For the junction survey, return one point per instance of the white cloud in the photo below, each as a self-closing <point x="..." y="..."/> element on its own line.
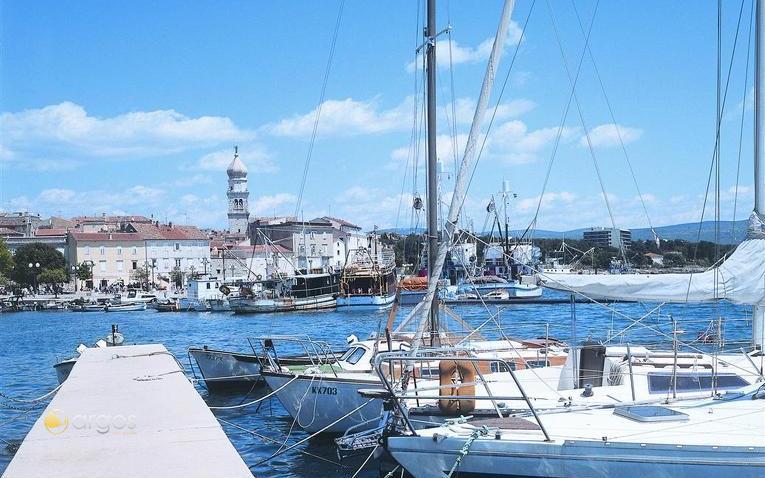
<point x="273" y="204"/>
<point x="465" y="54"/>
<point x="607" y="135"/>
<point x="257" y="159"/>
<point x="512" y="142"/>
<point x="464" y="109"/>
<point x="346" y="117"/>
<point x="67" y="128"/>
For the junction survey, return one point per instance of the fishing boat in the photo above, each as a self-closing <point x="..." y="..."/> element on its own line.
<point x="227" y="370"/>
<point x="301" y="292"/>
<point x="368" y="281"/>
<point x="485" y="285"/>
<point x="64" y="367"/>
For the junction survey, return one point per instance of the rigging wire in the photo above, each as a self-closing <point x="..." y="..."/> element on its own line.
<point x="319" y="107"/>
<point x="613" y="120"/>
<point x="581" y="119"/>
<point x="743" y="114"/>
<point x="717" y="128"/>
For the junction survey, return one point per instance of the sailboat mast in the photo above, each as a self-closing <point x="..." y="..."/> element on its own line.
<point x="759" y="101"/>
<point x="758" y="312"/>
<point x="430" y="51"/>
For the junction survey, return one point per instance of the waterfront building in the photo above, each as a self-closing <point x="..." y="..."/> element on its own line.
<point x="114" y="257"/>
<point x="318" y="244"/>
<point x="170" y="247"/>
<point x="608" y="237"/>
<point x="250" y="262"/>
<point x="18" y="229"/>
<point x="238" y="196"/>
<point x="140" y="248"/>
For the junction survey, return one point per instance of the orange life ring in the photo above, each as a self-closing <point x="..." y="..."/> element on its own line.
<point x="451" y="373"/>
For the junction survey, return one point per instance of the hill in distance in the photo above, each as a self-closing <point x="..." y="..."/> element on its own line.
<point x="730" y="232"/>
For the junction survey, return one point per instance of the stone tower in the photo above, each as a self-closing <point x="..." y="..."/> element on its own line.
<point x="238" y="210"/>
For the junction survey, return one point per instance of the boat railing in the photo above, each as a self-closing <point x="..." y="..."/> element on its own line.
<point x="318" y="352"/>
<point x="424" y="358"/>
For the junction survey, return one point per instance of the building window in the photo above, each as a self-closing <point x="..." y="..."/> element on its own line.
<point x="177" y="246"/>
<point x="178" y="263"/>
<point x="135" y="265"/>
<point x="119" y="251"/>
<point x="120" y="266"/>
<point x="313" y="250"/>
<point x="87" y="250"/>
<point x="103" y="250"/>
<point x="135" y="250"/>
<point x="208" y="285"/>
<point x="102" y="266"/>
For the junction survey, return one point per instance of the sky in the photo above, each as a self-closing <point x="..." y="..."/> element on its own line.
<point x="135" y="108"/>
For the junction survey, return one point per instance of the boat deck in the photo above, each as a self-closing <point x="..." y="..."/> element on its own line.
<point x="127" y="411"/>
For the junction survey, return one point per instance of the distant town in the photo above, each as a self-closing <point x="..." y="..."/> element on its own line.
<point x="113" y="252"/>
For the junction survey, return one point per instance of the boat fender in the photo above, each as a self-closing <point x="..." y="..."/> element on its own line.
<point x="456" y="373"/>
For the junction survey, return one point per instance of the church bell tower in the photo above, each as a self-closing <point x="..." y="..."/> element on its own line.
<point x="238" y="209"/>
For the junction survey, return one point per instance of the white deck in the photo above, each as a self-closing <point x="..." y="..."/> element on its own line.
<point x="123" y="412"/>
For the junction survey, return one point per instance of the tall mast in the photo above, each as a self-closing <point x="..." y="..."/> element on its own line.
<point x="430" y="51"/>
<point x="758" y="312"/>
<point x="759" y="101"/>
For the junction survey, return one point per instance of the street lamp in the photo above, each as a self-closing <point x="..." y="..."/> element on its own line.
<point x="32" y="268"/>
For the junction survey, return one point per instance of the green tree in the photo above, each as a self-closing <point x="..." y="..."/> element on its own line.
<point x="52" y="277"/>
<point x="84" y="271"/>
<point x="6" y="263"/>
<point x="176" y="276"/>
<point x="141" y="275"/>
<point x="674" y="259"/>
<point x="35" y="253"/>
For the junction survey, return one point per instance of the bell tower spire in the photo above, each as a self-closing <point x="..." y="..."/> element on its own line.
<point x="238" y="195"/>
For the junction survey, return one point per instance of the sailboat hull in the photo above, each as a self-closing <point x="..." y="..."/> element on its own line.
<point x="285" y="304"/>
<point x="317" y="402"/>
<point x="425" y="457"/>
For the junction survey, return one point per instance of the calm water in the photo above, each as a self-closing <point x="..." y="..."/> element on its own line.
<point x="31" y="342"/>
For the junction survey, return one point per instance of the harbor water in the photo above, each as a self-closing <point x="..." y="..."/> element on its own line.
<point x="31" y="342"/>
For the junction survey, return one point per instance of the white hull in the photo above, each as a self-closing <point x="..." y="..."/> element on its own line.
<point x="188" y="305"/>
<point x="284" y="304"/>
<point x="514" y="290"/>
<point x="317" y="402"/>
<point x="226" y="369"/>
<point x="364" y="302"/>
<point x="423" y="457"/>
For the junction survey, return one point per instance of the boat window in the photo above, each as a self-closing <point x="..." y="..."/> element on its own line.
<point x="650" y="413"/>
<point x="354" y="355"/>
<point x="661" y="382"/>
<point x="537" y="363"/>
<point x="501" y="366"/>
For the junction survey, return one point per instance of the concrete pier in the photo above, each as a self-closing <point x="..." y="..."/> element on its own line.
<point x="126" y="412"/>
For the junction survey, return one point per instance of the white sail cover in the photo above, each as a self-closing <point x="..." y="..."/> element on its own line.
<point x="740" y="279"/>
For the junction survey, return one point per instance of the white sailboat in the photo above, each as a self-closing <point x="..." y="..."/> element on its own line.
<point x="721" y="434"/>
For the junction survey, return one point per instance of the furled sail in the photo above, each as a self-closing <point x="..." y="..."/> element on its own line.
<point x="740" y="279"/>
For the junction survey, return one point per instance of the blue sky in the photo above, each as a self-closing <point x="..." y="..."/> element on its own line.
<point x="135" y="107"/>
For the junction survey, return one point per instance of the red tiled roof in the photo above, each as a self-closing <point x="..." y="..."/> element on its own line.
<point x="50" y="232"/>
<point x="4" y="231"/>
<point x="342" y="222"/>
<point x="166" y="232"/>
<point x="100" y="219"/>
<point x="105" y="236"/>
